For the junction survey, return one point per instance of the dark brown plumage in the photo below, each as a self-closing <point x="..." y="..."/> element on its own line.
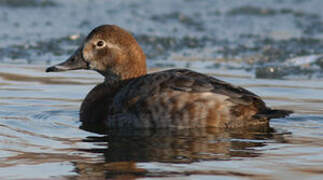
<point x="179" y="98"/>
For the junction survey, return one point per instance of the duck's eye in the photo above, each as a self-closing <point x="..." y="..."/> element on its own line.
<point x="100" y="44"/>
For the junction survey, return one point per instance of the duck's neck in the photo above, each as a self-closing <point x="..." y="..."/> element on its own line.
<point x="115" y="78"/>
<point x="110" y="77"/>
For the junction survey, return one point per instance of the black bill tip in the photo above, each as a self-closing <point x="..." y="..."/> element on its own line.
<point x="51" y="69"/>
<point x="57" y="68"/>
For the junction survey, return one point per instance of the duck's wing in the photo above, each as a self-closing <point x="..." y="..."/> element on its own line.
<point x="187" y="80"/>
<point x="183" y="91"/>
<point x="182" y="80"/>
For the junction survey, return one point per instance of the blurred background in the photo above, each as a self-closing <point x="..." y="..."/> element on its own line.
<point x="273" y="48"/>
<point x="264" y="37"/>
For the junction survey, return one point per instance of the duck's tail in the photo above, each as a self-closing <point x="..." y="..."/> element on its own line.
<point x="273" y="113"/>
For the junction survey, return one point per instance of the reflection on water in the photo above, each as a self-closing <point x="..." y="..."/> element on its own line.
<point x="181" y="146"/>
<point x="172" y="146"/>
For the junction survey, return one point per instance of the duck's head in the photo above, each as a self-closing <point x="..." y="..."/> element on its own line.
<point x="109" y="50"/>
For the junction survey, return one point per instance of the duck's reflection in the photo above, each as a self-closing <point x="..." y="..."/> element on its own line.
<point x="123" y="148"/>
<point x="182" y="146"/>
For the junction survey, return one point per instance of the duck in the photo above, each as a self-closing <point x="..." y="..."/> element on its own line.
<point x="130" y="97"/>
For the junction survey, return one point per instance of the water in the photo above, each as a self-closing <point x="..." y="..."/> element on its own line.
<point x="273" y="48"/>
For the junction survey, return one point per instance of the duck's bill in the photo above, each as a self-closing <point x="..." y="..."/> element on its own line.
<point x="75" y="62"/>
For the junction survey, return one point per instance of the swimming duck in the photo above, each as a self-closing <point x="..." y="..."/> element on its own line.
<point x="179" y="98"/>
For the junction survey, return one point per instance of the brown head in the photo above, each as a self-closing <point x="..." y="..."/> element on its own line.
<point x="109" y="50"/>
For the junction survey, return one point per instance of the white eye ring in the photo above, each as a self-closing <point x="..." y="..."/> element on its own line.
<point x="100" y="44"/>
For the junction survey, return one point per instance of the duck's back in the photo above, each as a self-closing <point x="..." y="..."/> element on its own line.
<point x="182" y="98"/>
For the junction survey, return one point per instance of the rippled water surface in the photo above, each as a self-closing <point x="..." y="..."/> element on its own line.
<point x="272" y="48"/>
